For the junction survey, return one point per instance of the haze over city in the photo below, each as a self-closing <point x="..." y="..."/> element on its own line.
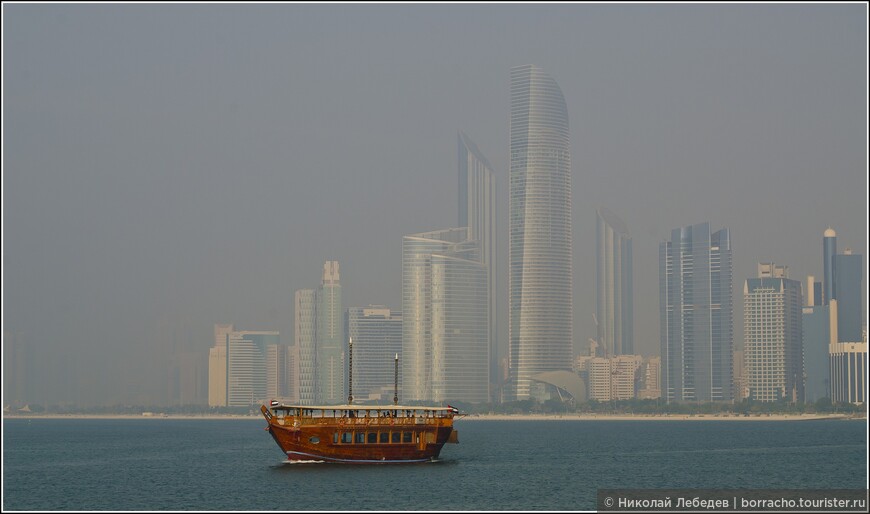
<point x="169" y="167"/>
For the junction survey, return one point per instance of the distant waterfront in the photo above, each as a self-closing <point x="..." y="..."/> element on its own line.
<point x="528" y="464"/>
<point x="486" y="417"/>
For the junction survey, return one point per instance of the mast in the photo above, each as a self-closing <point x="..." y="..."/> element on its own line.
<point x="350" y="372"/>
<point x="396" y="383"/>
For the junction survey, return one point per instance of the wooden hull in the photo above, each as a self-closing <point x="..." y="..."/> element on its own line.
<point x="363" y="440"/>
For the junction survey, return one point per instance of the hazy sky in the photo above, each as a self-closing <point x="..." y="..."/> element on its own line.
<point x="171" y="166"/>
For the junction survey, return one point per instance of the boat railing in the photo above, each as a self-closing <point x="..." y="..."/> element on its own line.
<point x="361" y="421"/>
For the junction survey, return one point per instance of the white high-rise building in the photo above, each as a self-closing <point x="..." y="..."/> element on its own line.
<point x="247" y="366"/>
<point x="600" y="380"/>
<point x="613" y="378"/>
<point x="541" y="278"/>
<point x="445" y="344"/>
<point x="330" y="341"/>
<point x="625" y="371"/>
<point x="304" y="309"/>
<point x="773" y="336"/>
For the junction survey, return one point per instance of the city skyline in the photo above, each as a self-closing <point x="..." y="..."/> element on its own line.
<point x="156" y="186"/>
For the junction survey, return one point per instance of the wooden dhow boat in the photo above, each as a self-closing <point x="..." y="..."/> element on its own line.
<point x="365" y="434"/>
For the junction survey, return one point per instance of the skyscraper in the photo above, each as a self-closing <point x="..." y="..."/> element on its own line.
<point x="829" y="250"/>
<point x="613" y="281"/>
<point x="826" y="324"/>
<point x="848" y="273"/>
<point x="813" y="294"/>
<point x="848" y="370"/>
<point x="773" y="344"/>
<point x="217" y="367"/>
<point x="696" y="314"/>
<point x="330" y="341"/>
<point x="304" y="328"/>
<point x="376" y="332"/>
<point x="276" y="371"/>
<point x="477" y="211"/>
<point x="247" y="369"/>
<point x="541" y="280"/>
<point x="816" y="340"/>
<point x="445" y="344"/>
<point x="291" y="366"/>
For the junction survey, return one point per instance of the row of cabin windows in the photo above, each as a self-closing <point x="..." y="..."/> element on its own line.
<point x="375" y="437"/>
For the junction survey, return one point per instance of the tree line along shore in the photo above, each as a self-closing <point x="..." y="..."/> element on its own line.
<point x="551" y="409"/>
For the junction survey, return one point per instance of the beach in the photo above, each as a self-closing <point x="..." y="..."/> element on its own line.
<point x="662" y="417"/>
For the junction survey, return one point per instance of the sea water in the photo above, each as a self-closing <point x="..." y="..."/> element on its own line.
<point x="233" y="464"/>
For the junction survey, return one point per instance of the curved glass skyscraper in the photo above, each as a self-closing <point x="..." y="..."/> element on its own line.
<point x="541" y="281"/>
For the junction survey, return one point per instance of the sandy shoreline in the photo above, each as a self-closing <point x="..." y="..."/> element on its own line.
<point x="483" y="417"/>
<point x="661" y="417"/>
<point x="125" y="416"/>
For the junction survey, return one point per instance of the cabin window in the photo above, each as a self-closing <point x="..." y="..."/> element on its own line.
<point x="314" y="439"/>
<point x="335" y="437"/>
<point x="360" y="437"/>
<point x="385" y="437"/>
<point x="373" y="437"/>
<point x="396" y="436"/>
<point x="347" y="437"/>
<point x="406" y="437"/>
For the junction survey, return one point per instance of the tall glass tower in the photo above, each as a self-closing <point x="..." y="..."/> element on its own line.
<point x="247" y="374"/>
<point x="304" y="327"/>
<point x="445" y="348"/>
<point x="614" y="289"/>
<point x="376" y="332"/>
<point x="477" y="212"/>
<point x="330" y="341"/>
<point x="848" y="272"/>
<point x="696" y="315"/>
<point x="541" y="280"/>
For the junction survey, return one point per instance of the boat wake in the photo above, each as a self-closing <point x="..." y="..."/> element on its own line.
<point x="288" y="461"/>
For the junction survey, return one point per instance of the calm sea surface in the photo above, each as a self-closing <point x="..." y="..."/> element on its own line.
<point x="233" y="464"/>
